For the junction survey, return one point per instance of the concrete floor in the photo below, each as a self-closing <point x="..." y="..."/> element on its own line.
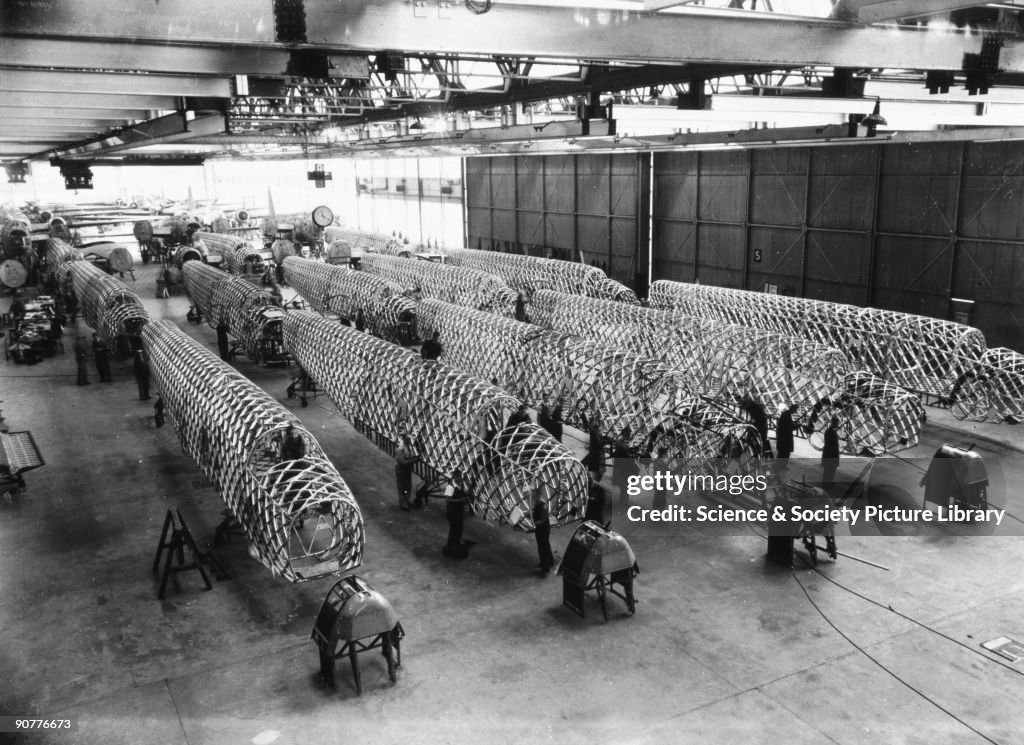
<point x="723" y="648"/>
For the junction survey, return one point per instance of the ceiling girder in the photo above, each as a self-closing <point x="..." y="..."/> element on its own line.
<point x="148" y="57"/>
<point x="34" y="114"/>
<point x="879" y="11"/>
<point x="57" y="81"/>
<point x="691" y="34"/>
<point x="595" y="78"/>
<point x="166" y="21"/>
<point x="170" y="128"/>
<point x="76" y="100"/>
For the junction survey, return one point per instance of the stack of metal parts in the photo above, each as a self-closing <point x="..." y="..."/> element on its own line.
<point x="336" y="289"/>
<point x="250" y="314"/>
<point x="922" y="354"/>
<point x="454" y="419"/>
<point x="235" y="251"/>
<point x="589" y="378"/>
<point x="59" y="254"/>
<point x="529" y="274"/>
<point x="299" y="517"/>
<point x="453" y="284"/>
<point x="108" y="306"/>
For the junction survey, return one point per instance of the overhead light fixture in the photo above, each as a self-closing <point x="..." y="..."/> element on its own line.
<point x="875" y="119"/>
<point x="16" y="172"/>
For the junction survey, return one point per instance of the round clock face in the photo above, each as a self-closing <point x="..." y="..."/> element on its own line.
<point x="323" y="216"/>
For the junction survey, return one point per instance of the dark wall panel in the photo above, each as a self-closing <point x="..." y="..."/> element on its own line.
<point x="478" y="181"/>
<point x="560" y="231"/>
<point x="503" y="224"/>
<point x="837" y="266"/>
<point x="674" y="256"/>
<point x="560" y="182"/>
<point x="989" y="272"/>
<point x="478" y="224"/>
<point x="992" y="189"/>
<point x="904" y="227"/>
<point x="721" y="250"/>
<point x="842" y="187"/>
<point x="675" y="185"/>
<point x="592" y="185"/>
<point x="530" y="183"/>
<point x="779" y="186"/>
<point x="912" y="275"/>
<point x="723" y="186"/>
<point x="503" y="182"/>
<point x="592" y="236"/>
<point x="918" y="189"/>
<point x="781" y="253"/>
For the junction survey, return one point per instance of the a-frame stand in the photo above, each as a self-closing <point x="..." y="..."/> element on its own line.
<point x="174" y="537"/>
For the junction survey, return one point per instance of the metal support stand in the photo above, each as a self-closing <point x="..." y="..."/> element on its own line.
<point x="174" y="537"/>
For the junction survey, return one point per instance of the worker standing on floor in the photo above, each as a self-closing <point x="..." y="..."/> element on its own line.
<point x="830" y="452"/>
<point x="455" y="498"/>
<point x="222" y="341"/>
<point x="101" y="355"/>
<point x="405" y="456"/>
<point x="542" y="532"/>
<point x="82" y="362"/>
<point x="141" y="370"/>
<point x="784" y="435"/>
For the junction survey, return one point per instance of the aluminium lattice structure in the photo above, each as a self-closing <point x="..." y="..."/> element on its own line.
<point x="453" y="284"/>
<point x="725" y="360"/>
<point x="528" y="274"/>
<point x="58" y="254"/>
<point x="994" y="391"/>
<point x="874" y="415"/>
<point x="455" y="420"/>
<point x="364" y="241"/>
<point x="108" y="306"/>
<point x="921" y="354"/>
<point x="336" y="289"/>
<point x="299" y="517"/>
<point x="589" y="378"/>
<point x="240" y="256"/>
<point x="249" y="312"/>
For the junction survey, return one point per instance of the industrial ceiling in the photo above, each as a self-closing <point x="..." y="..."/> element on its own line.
<point x="171" y="80"/>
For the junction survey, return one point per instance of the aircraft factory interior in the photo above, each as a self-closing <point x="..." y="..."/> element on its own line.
<point x="442" y="372"/>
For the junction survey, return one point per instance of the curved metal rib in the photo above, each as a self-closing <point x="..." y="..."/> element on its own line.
<point x="455" y="419"/>
<point x="250" y="314"/>
<point x="532" y="273"/>
<point x="590" y="378"/>
<point x="299" y="516"/>
<point x="236" y="252"/>
<point x="336" y="289"/>
<point x="108" y="306"/>
<point x="453" y="284"/>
